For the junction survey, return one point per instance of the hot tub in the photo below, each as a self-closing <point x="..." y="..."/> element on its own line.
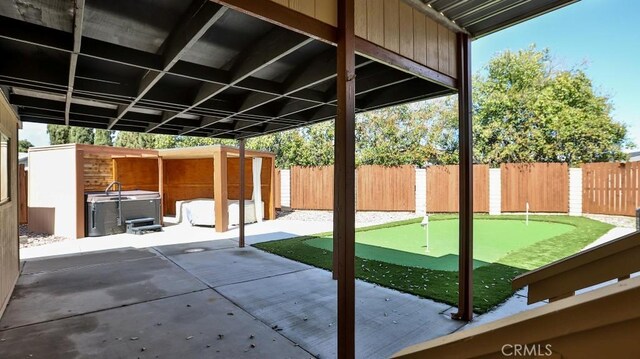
<point x="102" y="210"/>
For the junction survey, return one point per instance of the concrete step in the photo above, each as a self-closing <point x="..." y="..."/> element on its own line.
<point x="143" y="229"/>
<point x="140" y="220"/>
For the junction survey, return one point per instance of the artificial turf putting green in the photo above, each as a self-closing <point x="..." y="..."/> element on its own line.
<point x="491" y="282"/>
<point x="406" y="244"/>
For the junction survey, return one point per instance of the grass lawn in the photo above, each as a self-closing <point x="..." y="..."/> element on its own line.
<point x="394" y="254"/>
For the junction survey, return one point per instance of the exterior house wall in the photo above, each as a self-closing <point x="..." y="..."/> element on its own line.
<point x="393" y="25"/>
<point x="9" y="254"/>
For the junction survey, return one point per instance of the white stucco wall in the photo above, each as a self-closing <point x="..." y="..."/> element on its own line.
<point x="495" y="191"/>
<point x="285" y="188"/>
<point x="575" y="191"/>
<point x="421" y="191"/>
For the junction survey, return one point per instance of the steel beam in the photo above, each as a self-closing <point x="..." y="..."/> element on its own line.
<point x="200" y="17"/>
<point x="272" y="47"/>
<point x="78" y="15"/>
<point x="32" y="34"/>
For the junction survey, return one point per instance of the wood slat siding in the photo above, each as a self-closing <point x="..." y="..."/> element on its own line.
<point x="386" y="188"/>
<point x="394" y="25"/>
<point x="312" y="188"/>
<point x="136" y="173"/>
<point x="278" y="188"/>
<point x="23" y="191"/>
<point x="611" y="188"/>
<point x="98" y="172"/>
<point x="9" y="254"/>
<point x="443" y="184"/>
<point x="186" y="179"/>
<point x="544" y="185"/>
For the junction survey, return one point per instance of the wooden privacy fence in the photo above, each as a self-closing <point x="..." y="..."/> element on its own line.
<point x="22" y="195"/>
<point x="611" y="188"/>
<point x="545" y="186"/>
<point x="386" y="188"/>
<point x="312" y="187"/>
<point x="442" y="188"/>
<point x="378" y="188"/>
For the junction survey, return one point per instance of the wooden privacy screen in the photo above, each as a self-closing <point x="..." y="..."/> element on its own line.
<point x="136" y="173"/>
<point x="312" y="187"/>
<point x="278" y="189"/>
<point x="98" y="172"/>
<point x="386" y="188"/>
<point x="611" y="188"/>
<point x="443" y="184"/>
<point x="186" y="179"/>
<point x="544" y="185"/>
<point x="23" y="192"/>
<point x="394" y="25"/>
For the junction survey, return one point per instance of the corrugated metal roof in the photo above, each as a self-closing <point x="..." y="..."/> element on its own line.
<point x="483" y="17"/>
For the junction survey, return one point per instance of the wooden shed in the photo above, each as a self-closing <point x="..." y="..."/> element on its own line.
<point x="61" y="175"/>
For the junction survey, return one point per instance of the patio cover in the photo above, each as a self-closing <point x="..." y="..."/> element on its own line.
<point x="242" y="68"/>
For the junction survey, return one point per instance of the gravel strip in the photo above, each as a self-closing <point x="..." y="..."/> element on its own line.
<point x="618" y="221"/>
<point x="362" y="218"/>
<point x="31" y="239"/>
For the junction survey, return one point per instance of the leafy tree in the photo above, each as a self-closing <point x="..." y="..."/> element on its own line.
<point x="58" y="134"/>
<point x="135" y="140"/>
<point x="407" y="134"/>
<point x="527" y="111"/>
<point x="103" y="137"/>
<point x="24" y="145"/>
<point x="191" y="141"/>
<point x="82" y="135"/>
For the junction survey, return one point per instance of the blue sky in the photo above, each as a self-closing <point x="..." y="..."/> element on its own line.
<point x="600" y="34"/>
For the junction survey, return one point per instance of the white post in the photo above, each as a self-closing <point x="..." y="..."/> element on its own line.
<point x="425" y="225"/>
<point x="495" y="191"/>
<point x="285" y="188"/>
<point x="575" y="191"/>
<point x="421" y="191"/>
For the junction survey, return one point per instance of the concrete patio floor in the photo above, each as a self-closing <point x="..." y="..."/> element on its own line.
<point x="189" y="291"/>
<point x="200" y="300"/>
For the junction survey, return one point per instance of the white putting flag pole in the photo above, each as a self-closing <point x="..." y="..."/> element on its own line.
<point x="425" y="225"/>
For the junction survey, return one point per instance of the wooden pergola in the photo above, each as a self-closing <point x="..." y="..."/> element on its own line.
<point x="243" y="68"/>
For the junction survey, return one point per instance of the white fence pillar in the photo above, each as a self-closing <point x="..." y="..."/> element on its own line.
<point x="421" y="191"/>
<point x="575" y="191"/>
<point x="495" y="191"/>
<point x="285" y="188"/>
